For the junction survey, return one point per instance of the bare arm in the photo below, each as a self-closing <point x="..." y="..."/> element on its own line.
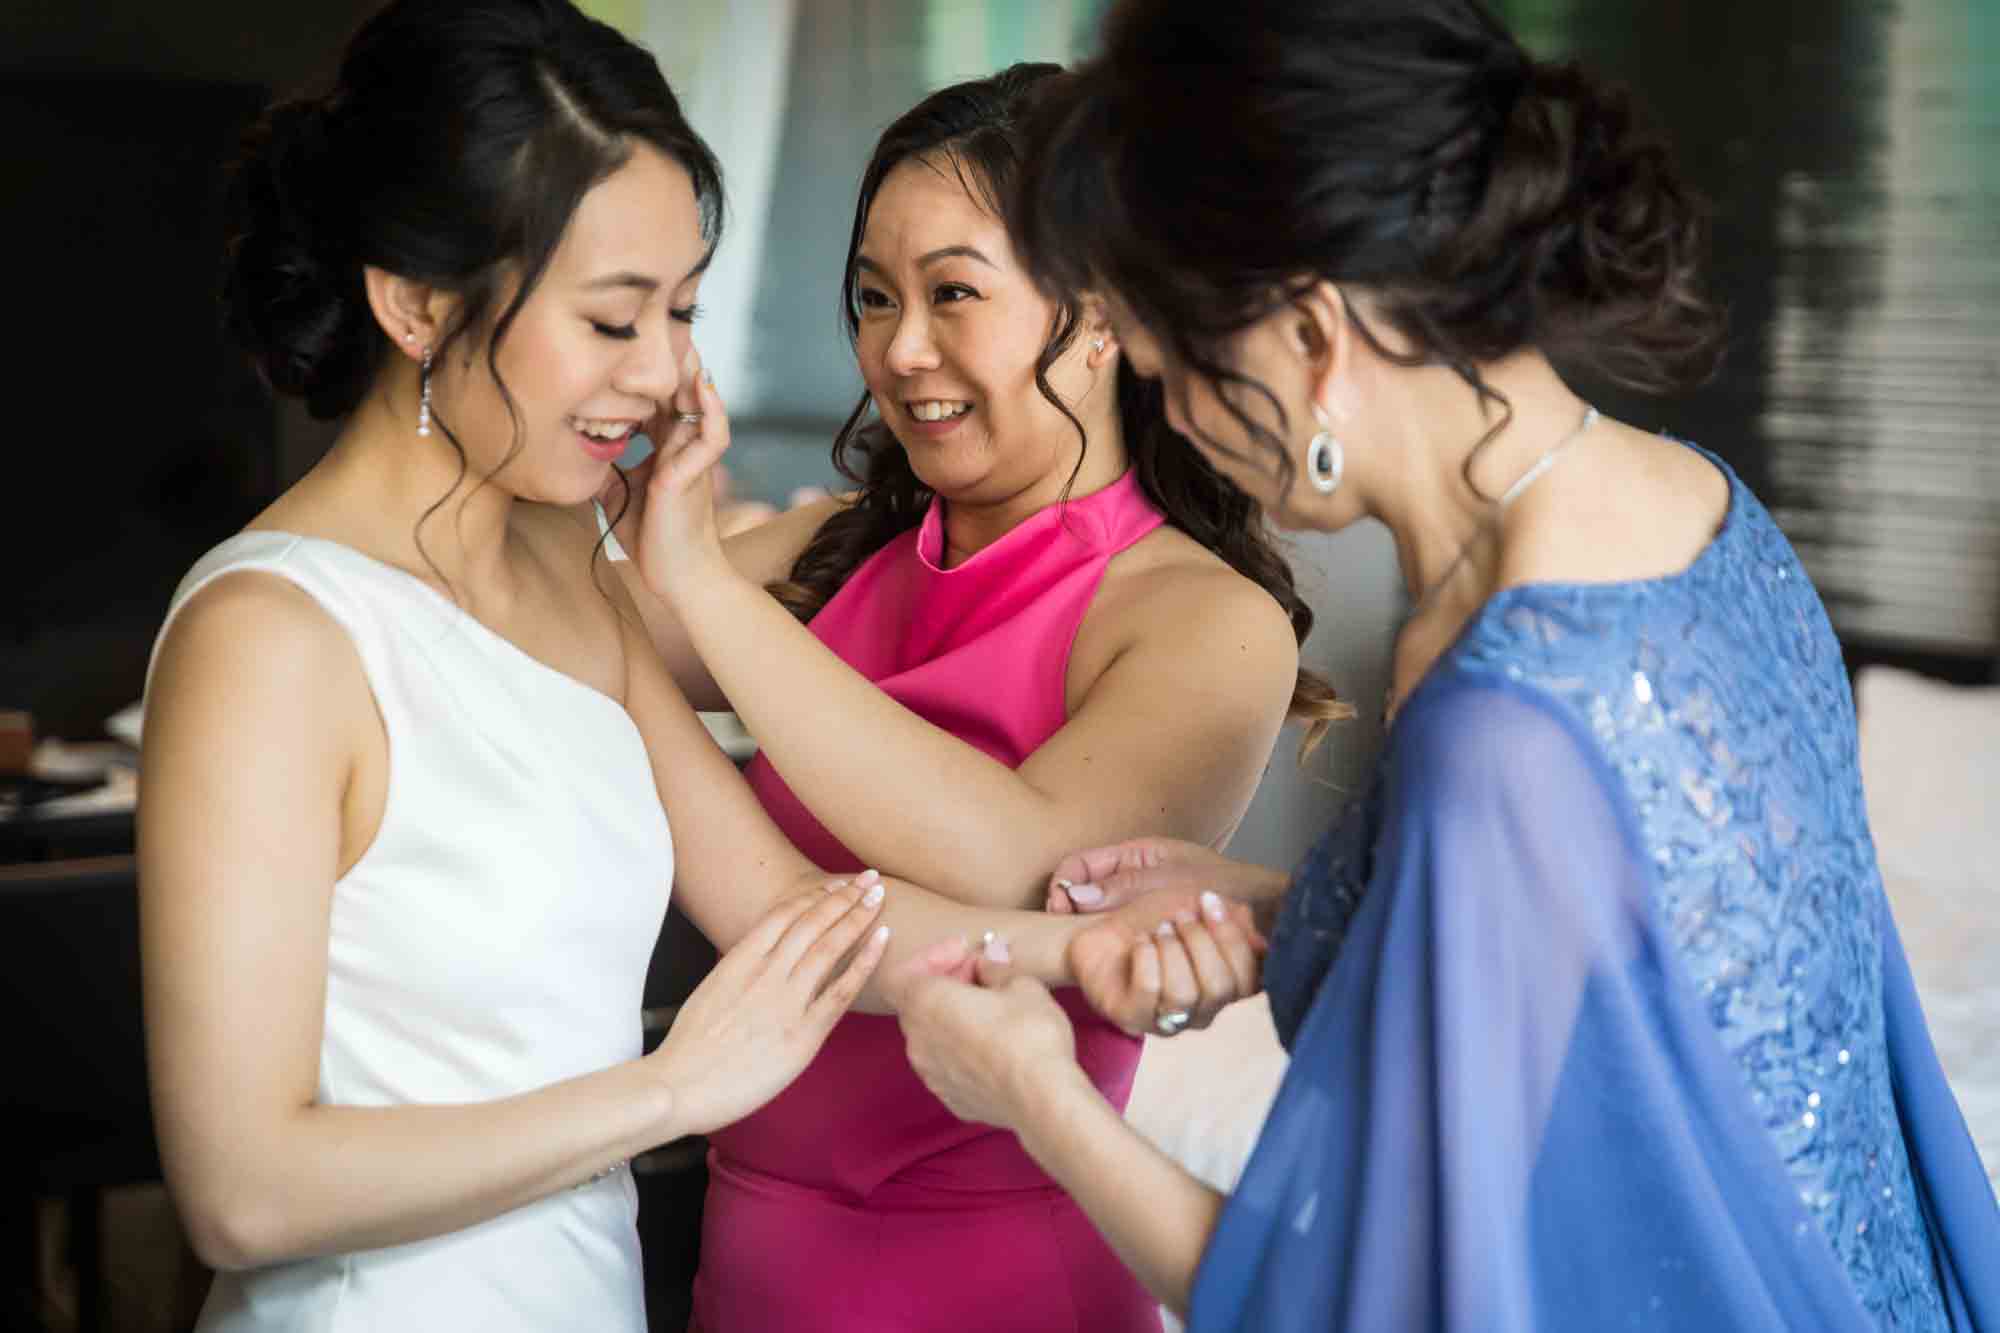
<point x="244" y="819"/>
<point x="732" y="863"/>
<point x="1002" y="1052"/>
<point x="762" y="555"/>
<point x="1169" y="738"/>
<point x="1154" y="1214"/>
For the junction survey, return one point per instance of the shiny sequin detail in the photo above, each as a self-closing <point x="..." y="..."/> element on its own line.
<point x="1720" y="698"/>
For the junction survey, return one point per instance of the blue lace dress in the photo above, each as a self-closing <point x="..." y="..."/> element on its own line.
<point x="1597" y="1014"/>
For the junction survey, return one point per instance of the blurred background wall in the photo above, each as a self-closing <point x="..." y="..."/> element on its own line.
<point x="1852" y="148"/>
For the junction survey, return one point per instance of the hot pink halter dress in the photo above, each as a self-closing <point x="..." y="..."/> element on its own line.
<point x="856" y="1202"/>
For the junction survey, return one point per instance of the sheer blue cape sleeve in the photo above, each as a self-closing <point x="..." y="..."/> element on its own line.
<point x="1505" y="1109"/>
<point x="1959" y="1207"/>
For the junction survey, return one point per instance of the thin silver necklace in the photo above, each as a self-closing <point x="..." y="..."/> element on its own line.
<point x="1536" y="471"/>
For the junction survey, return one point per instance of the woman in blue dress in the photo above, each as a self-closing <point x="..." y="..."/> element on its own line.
<point x="1598" y="1018"/>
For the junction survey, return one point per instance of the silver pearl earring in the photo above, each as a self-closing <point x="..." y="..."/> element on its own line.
<point x="1325" y="459"/>
<point x="424" y="404"/>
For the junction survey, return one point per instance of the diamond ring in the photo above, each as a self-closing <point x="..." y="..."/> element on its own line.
<point x="1170" y="1022"/>
<point x="688" y="418"/>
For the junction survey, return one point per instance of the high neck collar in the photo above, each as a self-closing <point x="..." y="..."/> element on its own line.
<point x="1097" y="520"/>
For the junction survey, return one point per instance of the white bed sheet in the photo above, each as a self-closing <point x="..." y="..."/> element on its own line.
<point x="1201" y="1097"/>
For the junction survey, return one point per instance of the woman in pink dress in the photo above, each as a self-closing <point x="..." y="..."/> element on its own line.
<point x="1035" y="587"/>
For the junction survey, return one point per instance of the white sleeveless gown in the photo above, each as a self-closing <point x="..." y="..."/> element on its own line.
<point x="492" y="940"/>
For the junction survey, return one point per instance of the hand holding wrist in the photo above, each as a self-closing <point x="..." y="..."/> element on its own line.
<point x="1040" y="948"/>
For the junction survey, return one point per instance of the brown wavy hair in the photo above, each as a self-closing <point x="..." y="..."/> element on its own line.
<point x="975" y="129"/>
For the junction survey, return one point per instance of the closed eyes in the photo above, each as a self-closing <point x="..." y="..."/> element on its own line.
<point x="687" y="314"/>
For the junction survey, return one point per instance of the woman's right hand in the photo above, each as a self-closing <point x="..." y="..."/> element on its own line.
<point x="1103" y="878"/>
<point x="761" y="1015"/>
<point x="1167" y="961"/>
<point x="679" y="540"/>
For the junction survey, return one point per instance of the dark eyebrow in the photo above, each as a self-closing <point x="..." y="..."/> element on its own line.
<point x="635" y="280"/>
<point x="640" y="282"/>
<point x="863" y="262"/>
<point x="955" y="252"/>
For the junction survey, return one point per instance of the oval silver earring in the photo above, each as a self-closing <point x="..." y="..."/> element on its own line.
<point x="1325" y="459"/>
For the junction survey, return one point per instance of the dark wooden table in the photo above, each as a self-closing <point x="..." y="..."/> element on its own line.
<point x="35" y="837"/>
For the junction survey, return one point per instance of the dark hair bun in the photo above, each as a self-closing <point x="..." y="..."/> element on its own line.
<point x="291" y="298"/>
<point x="1585" y="241"/>
<point x="1411" y="149"/>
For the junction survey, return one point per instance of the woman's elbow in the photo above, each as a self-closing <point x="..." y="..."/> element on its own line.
<point x="232" y="1230"/>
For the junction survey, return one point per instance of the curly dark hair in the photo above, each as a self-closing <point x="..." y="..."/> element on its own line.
<point x="976" y="130"/>
<point x="1215" y="161"/>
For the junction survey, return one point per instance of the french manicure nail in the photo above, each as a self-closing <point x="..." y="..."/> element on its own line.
<point x="1164" y="929"/>
<point x="1211" y="905"/>
<point x="1084" y="893"/>
<point x="996" y="949"/>
<point x="873" y="896"/>
<point x="867" y="877"/>
<point x="881" y="932"/>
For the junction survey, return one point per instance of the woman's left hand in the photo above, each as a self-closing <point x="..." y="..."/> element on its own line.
<point x="984" y="1047"/>
<point x="678" y="537"/>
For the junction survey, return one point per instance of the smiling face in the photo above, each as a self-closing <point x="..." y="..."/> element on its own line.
<point x="598" y="346"/>
<point x="950" y="331"/>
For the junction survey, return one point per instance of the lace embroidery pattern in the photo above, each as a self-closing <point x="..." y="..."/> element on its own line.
<point x="1720" y="697"/>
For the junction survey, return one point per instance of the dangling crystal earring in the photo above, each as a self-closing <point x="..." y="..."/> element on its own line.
<point x="1325" y="459"/>
<point x="424" y="406"/>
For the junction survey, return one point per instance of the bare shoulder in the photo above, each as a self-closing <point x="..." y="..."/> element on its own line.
<point x="1631" y="506"/>
<point x="1169" y="592"/>
<point x="244" y="651"/>
<point x="1673" y="479"/>
<point x="1169" y="575"/>
<point x="254" y="614"/>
